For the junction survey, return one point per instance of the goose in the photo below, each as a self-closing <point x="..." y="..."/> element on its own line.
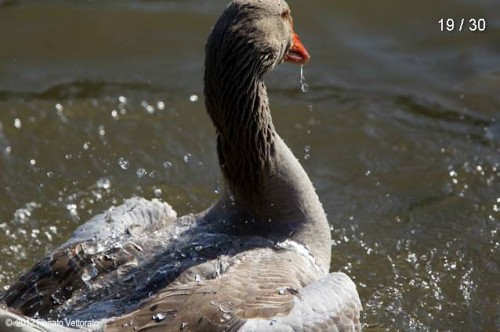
<point x="257" y="260"/>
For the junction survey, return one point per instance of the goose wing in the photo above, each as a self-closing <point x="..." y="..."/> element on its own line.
<point x="263" y="290"/>
<point x="53" y="280"/>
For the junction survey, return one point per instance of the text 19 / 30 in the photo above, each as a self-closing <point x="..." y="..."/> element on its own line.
<point x="473" y="24"/>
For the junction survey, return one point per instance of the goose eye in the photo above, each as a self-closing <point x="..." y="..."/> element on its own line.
<point x="285" y="14"/>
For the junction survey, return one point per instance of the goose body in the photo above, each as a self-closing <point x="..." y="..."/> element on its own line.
<point x="257" y="260"/>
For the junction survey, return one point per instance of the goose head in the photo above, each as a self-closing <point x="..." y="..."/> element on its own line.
<point x="256" y="35"/>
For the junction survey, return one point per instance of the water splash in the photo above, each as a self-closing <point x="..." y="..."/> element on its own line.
<point x="148" y="107"/>
<point x="72" y="209"/>
<point x="157" y="192"/>
<point x="90" y="272"/>
<point x="22" y="215"/>
<point x="17" y="123"/>
<point x="124" y="163"/>
<point x="158" y="317"/>
<point x="103" y="183"/>
<point x="303" y="85"/>
<point x="307" y="150"/>
<point x="141" y="172"/>
<point x="160" y="105"/>
<point x="217" y="189"/>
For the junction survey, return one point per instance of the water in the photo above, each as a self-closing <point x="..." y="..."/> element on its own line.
<point x="303" y="85"/>
<point x="159" y="317"/>
<point x="403" y="144"/>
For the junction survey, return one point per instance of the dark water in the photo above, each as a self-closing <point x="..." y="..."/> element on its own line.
<point x="400" y="132"/>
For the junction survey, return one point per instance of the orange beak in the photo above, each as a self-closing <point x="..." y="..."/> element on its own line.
<point x="297" y="53"/>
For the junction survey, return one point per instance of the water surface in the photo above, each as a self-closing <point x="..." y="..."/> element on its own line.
<point x="399" y="132"/>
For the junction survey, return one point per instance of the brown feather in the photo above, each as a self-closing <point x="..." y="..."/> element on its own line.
<point x="249" y="289"/>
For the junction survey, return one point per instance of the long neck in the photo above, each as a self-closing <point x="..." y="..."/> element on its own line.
<point x="245" y="135"/>
<point x="267" y="183"/>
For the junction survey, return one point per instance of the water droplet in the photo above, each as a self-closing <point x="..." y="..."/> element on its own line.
<point x="103" y="183"/>
<point x="150" y="109"/>
<point x="307" y="156"/>
<point x="17" y="123"/>
<point x="141" y="172"/>
<point x="158" y="317"/>
<point x="86" y="145"/>
<point x="69" y="156"/>
<point x="114" y="114"/>
<point x="89" y="248"/>
<point x="307" y="148"/>
<point x="303" y="85"/>
<point x="187" y="157"/>
<point x="193" y="98"/>
<point x="124" y="163"/>
<point x="160" y="105"/>
<point x="72" y="208"/>
<point x="101" y="130"/>
<point x="32" y="162"/>
<point x="122" y="99"/>
<point x="34" y="233"/>
<point x="157" y="192"/>
<point x="126" y="268"/>
<point x="167" y="164"/>
<point x="217" y="189"/>
<point x="226" y="306"/>
<point x="367" y="173"/>
<point x="89" y="272"/>
<point x="183" y="325"/>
